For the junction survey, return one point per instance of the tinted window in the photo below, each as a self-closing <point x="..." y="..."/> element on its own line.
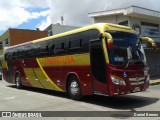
<point x="71" y="44"/>
<point x="75" y="43"/>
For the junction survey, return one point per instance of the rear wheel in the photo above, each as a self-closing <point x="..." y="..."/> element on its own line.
<point x="74" y="88"/>
<point x="18" y="81"/>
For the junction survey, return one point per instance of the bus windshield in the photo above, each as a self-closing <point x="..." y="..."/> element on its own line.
<point x="125" y="51"/>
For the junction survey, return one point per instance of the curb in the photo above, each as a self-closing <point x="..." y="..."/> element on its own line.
<point x="154" y="82"/>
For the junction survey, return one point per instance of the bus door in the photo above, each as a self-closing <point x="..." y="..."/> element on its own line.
<point x="98" y="67"/>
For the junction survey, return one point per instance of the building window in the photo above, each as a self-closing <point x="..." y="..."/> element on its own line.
<point x="7" y="42"/>
<point x="50" y="33"/>
<point x="150" y="30"/>
<point x="124" y="23"/>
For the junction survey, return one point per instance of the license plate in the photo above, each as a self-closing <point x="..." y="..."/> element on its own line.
<point x="136" y="89"/>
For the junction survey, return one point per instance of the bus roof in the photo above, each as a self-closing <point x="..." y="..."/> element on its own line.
<point x="100" y="26"/>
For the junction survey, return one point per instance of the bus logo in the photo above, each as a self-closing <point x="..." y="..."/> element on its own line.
<point x="125" y="74"/>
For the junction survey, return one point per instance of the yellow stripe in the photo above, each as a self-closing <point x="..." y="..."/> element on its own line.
<point x="98" y="26"/>
<point x="67" y="60"/>
<point x="55" y="86"/>
<point x="43" y="79"/>
<point x="118" y="28"/>
<point x="32" y="78"/>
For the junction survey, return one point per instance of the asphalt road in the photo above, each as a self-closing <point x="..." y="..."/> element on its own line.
<point x="33" y="99"/>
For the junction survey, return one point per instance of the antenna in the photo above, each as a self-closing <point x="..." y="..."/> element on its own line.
<point x="62" y="19"/>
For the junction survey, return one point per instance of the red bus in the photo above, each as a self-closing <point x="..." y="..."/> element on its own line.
<point x="104" y="59"/>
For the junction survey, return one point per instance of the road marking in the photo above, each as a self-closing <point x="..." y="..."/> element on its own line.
<point x="9" y="98"/>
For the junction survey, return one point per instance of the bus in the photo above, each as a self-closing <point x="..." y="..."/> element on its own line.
<point x="102" y="58"/>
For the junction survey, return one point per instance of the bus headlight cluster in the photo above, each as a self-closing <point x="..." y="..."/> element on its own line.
<point x="117" y="81"/>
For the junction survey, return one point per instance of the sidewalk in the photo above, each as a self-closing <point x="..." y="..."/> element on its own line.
<point x="155" y="81"/>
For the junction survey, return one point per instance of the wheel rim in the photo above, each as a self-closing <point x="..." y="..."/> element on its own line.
<point x="74" y="88"/>
<point x="17" y="81"/>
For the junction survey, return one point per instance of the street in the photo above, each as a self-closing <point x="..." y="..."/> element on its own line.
<point x="33" y="99"/>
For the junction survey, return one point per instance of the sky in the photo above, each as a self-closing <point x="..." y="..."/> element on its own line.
<point x="32" y="14"/>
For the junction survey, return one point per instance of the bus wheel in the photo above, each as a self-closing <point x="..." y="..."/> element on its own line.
<point x="74" y="88"/>
<point x="18" y="81"/>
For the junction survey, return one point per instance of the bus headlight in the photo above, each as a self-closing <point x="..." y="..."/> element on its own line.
<point x="117" y="81"/>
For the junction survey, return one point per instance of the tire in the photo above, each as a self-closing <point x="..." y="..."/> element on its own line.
<point x="18" y="81"/>
<point x="74" y="89"/>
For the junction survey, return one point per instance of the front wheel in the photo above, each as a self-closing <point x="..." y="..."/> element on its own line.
<point x="18" y="81"/>
<point x="74" y="88"/>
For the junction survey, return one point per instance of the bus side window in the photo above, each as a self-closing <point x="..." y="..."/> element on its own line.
<point x="59" y="47"/>
<point x="13" y="55"/>
<point x="38" y="50"/>
<point x="20" y="54"/>
<point x="47" y="45"/>
<point x="10" y="56"/>
<point x="47" y="48"/>
<point x="75" y="44"/>
<point x="62" y="46"/>
<point x="6" y="56"/>
<point x="53" y="47"/>
<point x="17" y="55"/>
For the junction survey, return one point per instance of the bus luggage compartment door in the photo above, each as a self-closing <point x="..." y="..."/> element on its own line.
<point x="98" y="67"/>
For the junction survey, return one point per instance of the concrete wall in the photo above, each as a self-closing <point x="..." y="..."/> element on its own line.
<point x="56" y="29"/>
<point x="115" y="19"/>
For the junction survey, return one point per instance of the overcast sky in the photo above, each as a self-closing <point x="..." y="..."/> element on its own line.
<point x="30" y="14"/>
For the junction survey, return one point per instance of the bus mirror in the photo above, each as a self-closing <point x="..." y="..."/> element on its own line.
<point x="109" y="39"/>
<point x="147" y="39"/>
<point x="100" y="36"/>
<point x="107" y="35"/>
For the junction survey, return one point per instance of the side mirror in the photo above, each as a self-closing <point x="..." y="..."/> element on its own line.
<point x="147" y="39"/>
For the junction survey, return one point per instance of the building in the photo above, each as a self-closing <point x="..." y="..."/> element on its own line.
<point x="54" y="29"/>
<point x="144" y="21"/>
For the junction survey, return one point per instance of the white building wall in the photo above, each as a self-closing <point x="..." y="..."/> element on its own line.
<point x="56" y="29"/>
<point x="107" y="19"/>
<point x="115" y="19"/>
<point x="122" y="18"/>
